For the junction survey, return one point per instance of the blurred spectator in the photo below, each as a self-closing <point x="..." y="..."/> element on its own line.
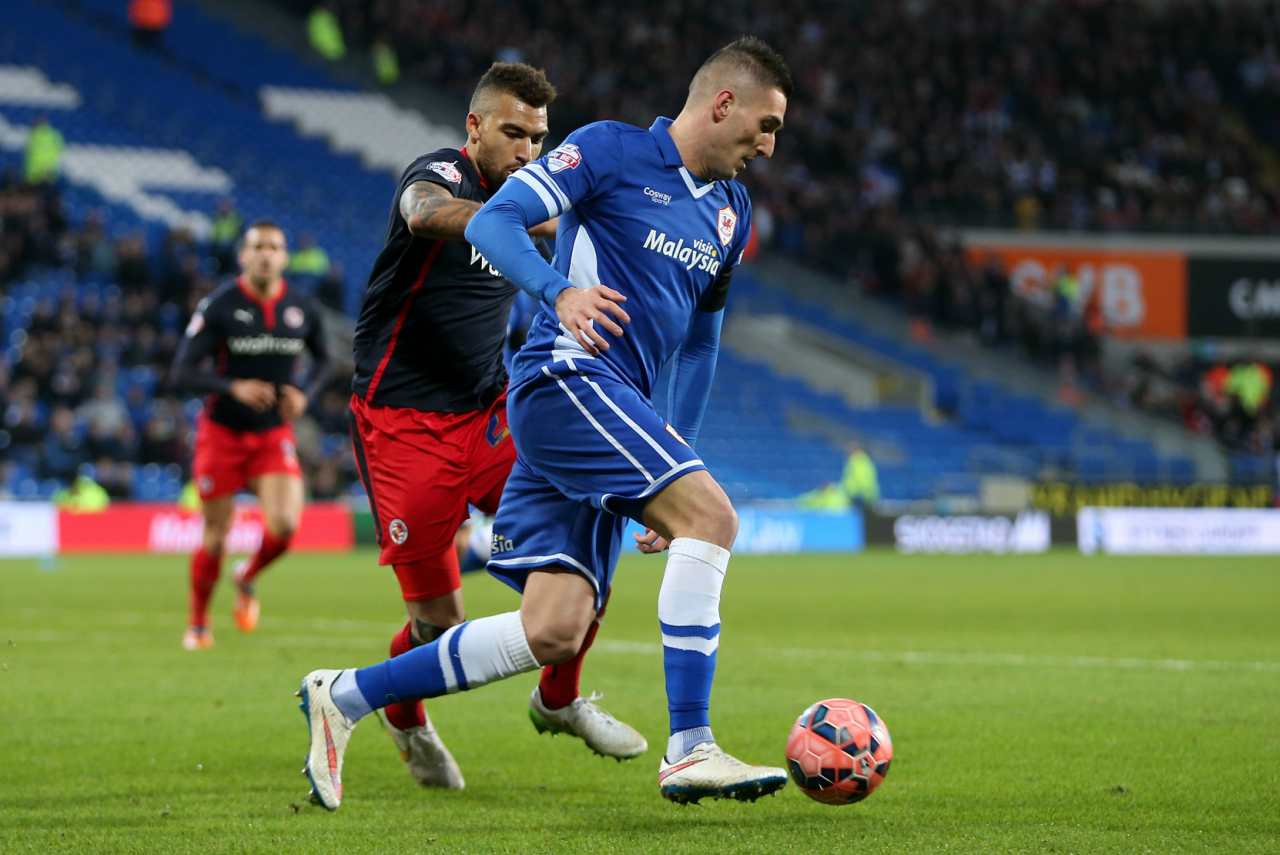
<point x="861" y="480"/>
<point x="149" y="19"/>
<point x="308" y="259"/>
<point x="227" y="226"/>
<point x="82" y="496"/>
<point x="43" y="153"/>
<point x="386" y="65"/>
<point x="325" y="33"/>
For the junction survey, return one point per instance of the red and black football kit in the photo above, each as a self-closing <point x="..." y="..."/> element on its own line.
<point x="248" y="338"/>
<point x="428" y="406"/>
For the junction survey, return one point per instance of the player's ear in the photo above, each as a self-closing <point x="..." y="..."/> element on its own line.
<point x="473" y="126"/>
<point x="723" y="105"/>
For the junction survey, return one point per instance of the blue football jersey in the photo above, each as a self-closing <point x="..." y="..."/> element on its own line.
<point x="634" y="219"/>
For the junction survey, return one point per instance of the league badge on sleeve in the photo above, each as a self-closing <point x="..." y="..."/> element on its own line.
<point x="448" y="171"/>
<point x="565" y="156"/>
<point x="726" y="221"/>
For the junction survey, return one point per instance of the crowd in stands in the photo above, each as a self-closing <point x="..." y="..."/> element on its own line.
<point x="82" y="381"/>
<point x="1080" y="115"/>
<point x="917" y="115"/>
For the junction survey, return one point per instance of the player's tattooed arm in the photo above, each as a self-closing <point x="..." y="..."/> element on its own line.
<point x="433" y="212"/>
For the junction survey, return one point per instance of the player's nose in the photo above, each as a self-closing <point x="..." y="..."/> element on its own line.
<point x="524" y="151"/>
<point x="765" y="146"/>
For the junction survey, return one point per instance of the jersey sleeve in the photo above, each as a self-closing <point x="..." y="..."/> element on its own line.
<point x="440" y="167"/>
<point x="577" y="170"/>
<point x="198" y="342"/>
<point x="581" y="167"/>
<point x="715" y="297"/>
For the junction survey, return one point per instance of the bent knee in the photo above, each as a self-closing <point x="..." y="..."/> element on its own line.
<point x="715" y="519"/>
<point x="281" y="528"/>
<point x="555" y="644"/>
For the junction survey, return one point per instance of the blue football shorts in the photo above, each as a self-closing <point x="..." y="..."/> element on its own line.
<point x="590" y="452"/>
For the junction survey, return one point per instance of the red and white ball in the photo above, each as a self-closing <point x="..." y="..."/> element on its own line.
<point x="839" y="751"/>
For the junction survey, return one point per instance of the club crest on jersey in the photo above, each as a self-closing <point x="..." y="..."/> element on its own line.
<point x="565" y="156"/>
<point x="726" y="221"/>
<point x="293" y="317"/>
<point x="398" y="531"/>
<point x="448" y="171"/>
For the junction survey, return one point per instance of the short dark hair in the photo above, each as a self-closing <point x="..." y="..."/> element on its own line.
<point x="754" y="57"/>
<point x="527" y="83"/>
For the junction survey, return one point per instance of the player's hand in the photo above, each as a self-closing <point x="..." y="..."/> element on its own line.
<point x="545" y="230"/>
<point x="255" y="394"/>
<point x="578" y="308"/>
<point x="292" y="403"/>
<point x="650" y="542"/>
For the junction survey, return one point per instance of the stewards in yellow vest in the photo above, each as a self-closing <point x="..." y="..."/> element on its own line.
<point x="84" y="496"/>
<point x="325" y="33"/>
<point x="861" y="481"/>
<point x="44" y="152"/>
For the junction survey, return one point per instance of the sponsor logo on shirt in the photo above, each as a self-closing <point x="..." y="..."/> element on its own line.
<point x="448" y="171"/>
<point x="564" y="156"/>
<point x="657" y="196"/>
<point x="696" y="255"/>
<point x="264" y="345"/>
<point x="483" y="263"/>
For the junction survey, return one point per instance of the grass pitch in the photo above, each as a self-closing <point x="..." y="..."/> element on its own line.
<point x="1037" y="704"/>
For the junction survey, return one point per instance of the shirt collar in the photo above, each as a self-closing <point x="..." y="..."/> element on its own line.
<point x="661" y="130"/>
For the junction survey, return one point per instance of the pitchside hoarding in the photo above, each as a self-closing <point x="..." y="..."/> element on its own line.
<point x="1066" y="498"/>
<point x="1233" y="297"/>
<point x="1179" y="531"/>
<point x="1025" y="532"/>
<point x="27" y="529"/>
<point x="1150" y="288"/>
<point x="1142" y="293"/>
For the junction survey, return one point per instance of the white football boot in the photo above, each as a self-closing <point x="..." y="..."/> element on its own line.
<point x="708" y="772"/>
<point x="583" y="718"/>
<point x="424" y="753"/>
<point x="330" y="730"/>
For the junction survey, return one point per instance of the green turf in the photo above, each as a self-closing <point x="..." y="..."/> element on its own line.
<point x="1043" y="704"/>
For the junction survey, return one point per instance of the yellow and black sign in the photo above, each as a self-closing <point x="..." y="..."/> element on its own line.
<point x="1063" y="498"/>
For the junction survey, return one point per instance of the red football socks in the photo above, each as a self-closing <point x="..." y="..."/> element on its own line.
<point x="272" y="547"/>
<point x="403" y="716"/>
<point x="205" y="567"/>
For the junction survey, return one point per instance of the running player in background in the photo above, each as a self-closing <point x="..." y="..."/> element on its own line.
<point x="253" y="330"/>
<point x="656" y="215"/>
<point x="428" y="409"/>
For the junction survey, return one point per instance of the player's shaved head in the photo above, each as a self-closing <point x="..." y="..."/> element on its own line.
<point x="747" y="60"/>
<point x="736" y="104"/>
<point x="524" y="82"/>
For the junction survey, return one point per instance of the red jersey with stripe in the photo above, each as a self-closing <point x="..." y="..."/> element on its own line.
<point x="434" y="316"/>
